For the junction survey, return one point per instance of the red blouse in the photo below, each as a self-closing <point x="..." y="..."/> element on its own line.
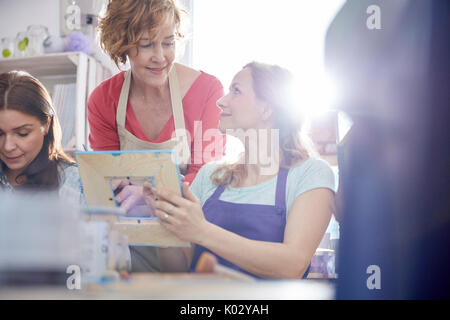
<point x="199" y="104"/>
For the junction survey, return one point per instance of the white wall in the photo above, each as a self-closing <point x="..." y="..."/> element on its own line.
<point x="231" y="33"/>
<point x="17" y="15"/>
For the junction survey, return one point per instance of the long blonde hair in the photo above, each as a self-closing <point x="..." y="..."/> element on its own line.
<point x="274" y="85"/>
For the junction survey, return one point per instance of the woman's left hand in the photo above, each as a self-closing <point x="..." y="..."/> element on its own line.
<point x="183" y="216"/>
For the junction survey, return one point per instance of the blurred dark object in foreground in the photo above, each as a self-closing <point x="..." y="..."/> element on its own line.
<point x="394" y="172"/>
<point x="40" y="237"/>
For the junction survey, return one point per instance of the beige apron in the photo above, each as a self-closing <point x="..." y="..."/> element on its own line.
<point x="144" y="259"/>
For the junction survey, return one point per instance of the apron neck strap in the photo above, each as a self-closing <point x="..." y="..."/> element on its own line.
<point x="177" y="104"/>
<point x="280" y="195"/>
<point x="218" y="192"/>
<point x="123" y="100"/>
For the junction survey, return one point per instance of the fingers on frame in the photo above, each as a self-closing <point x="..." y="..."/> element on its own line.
<point x="173" y="198"/>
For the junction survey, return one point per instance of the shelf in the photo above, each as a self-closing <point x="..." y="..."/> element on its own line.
<point x="45" y="65"/>
<point x="65" y="67"/>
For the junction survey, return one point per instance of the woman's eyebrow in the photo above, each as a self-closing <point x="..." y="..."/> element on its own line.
<point x="23" y="126"/>
<point x="234" y="84"/>
<point x="166" y="38"/>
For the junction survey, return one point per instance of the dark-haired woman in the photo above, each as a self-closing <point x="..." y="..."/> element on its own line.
<point x="31" y="155"/>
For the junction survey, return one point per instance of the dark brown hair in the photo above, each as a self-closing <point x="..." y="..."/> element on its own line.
<point x="275" y="86"/>
<point x="22" y="92"/>
<point x="125" y="22"/>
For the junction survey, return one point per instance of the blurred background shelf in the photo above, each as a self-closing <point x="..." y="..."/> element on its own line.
<point x="46" y="65"/>
<point x="64" y="69"/>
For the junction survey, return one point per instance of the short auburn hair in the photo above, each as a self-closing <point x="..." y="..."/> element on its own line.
<point x="125" y="22"/>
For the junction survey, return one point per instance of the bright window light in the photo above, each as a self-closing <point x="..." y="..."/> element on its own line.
<point x="227" y="34"/>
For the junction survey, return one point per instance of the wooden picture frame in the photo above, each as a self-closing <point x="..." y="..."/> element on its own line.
<point x="98" y="168"/>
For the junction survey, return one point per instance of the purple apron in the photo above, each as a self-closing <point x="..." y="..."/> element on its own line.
<point x="253" y="221"/>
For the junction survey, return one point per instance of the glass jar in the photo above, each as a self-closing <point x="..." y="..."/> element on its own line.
<point x="36" y="35"/>
<point x="21" y="44"/>
<point x="6" y="48"/>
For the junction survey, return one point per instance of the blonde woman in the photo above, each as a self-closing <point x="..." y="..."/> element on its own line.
<point x="267" y="223"/>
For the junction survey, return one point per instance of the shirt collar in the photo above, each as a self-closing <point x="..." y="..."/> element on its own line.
<point x="3" y="181"/>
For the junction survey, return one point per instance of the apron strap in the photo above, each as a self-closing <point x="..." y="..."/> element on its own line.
<point x="280" y="195"/>
<point x="177" y="104"/>
<point x="123" y="100"/>
<point x="178" y="116"/>
<point x="219" y="190"/>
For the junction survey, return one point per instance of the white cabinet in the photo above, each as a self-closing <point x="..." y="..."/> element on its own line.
<point x="65" y="68"/>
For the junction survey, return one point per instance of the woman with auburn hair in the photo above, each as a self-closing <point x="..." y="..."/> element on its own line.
<point x="31" y="155"/>
<point x="155" y="105"/>
<point x="264" y="217"/>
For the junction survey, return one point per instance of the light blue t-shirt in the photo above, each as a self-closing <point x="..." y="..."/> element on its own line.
<point x="71" y="188"/>
<point x="311" y="174"/>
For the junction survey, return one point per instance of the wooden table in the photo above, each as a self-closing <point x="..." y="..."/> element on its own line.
<point x="183" y="286"/>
